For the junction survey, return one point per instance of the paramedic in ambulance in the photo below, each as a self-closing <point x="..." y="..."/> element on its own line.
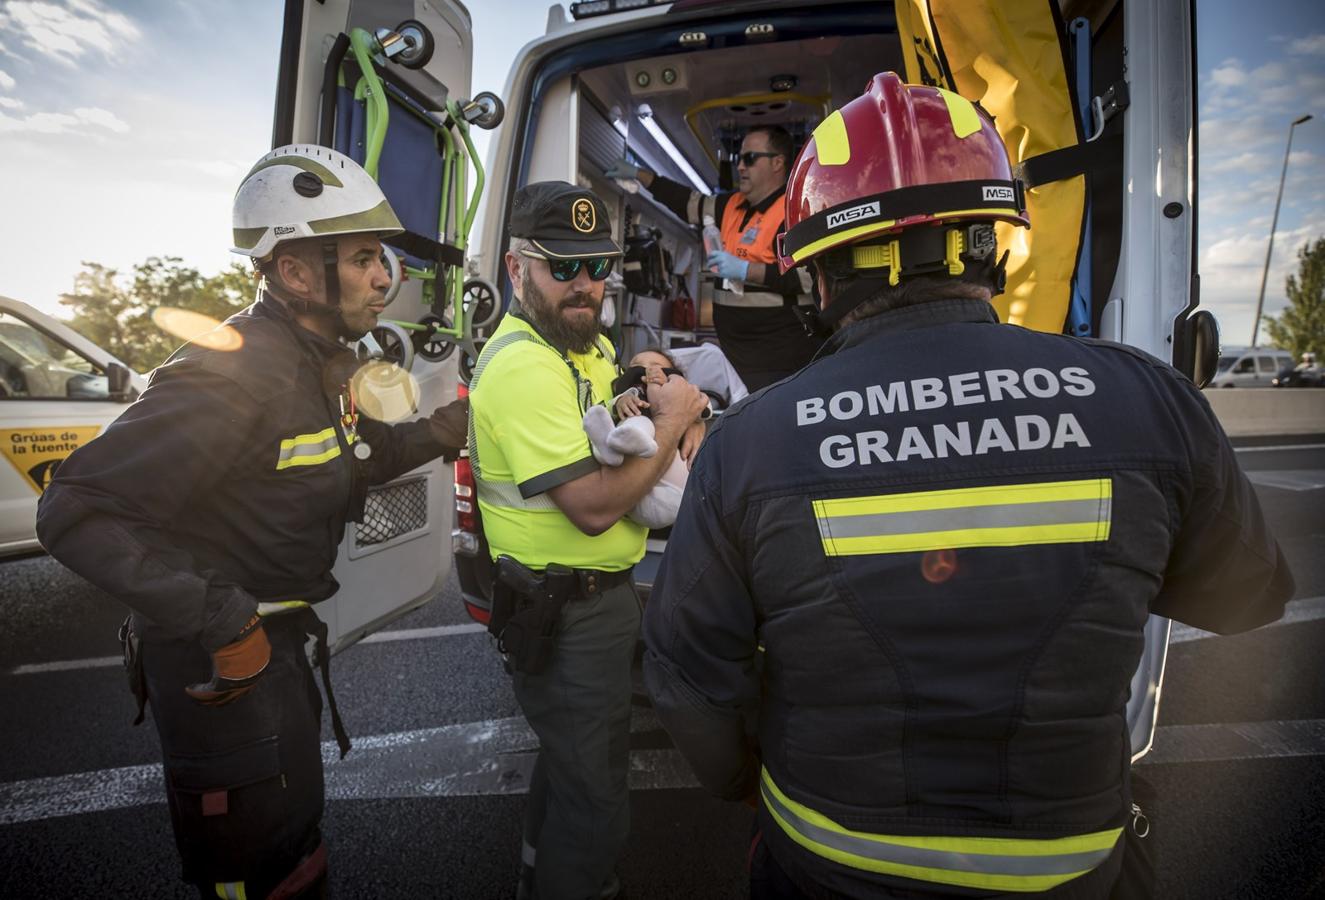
<point x="565" y="611"/>
<point x="758" y="327"/>
<point x="927" y="590"/>
<point x="214" y="506"/>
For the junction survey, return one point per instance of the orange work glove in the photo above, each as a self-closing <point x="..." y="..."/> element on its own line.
<point x="235" y="667"/>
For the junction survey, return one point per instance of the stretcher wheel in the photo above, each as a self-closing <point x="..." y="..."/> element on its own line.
<point x="489" y="111"/>
<point x="467" y="362"/>
<point x="431" y="345"/>
<point x="395" y="342"/>
<point x="392" y="262"/>
<point x="420" y="41"/>
<point x="481" y="301"/>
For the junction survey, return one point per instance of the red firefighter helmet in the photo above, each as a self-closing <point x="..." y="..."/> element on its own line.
<point x="898" y="156"/>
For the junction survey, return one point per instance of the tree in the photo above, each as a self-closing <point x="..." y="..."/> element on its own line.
<point x="1301" y="326"/>
<point x="117" y="316"/>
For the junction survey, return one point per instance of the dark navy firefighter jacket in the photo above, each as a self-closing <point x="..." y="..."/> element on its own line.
<point x="923" y="565"/>
<point x="228" y="482"/>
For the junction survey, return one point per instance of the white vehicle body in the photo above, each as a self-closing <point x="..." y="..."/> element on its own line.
<point x="1249" y="368"/>
<point x="581" y="75"/>
<point x="54" y="397"/>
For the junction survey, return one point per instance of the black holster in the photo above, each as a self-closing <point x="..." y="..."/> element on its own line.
<point x="133" y="666"/>
<point x="526" y="610"/>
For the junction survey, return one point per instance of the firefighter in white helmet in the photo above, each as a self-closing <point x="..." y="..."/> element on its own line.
<point x="213" y="509"/>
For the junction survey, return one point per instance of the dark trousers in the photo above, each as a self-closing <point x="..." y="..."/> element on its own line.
<point x="243" y="780"/>
<point x="578" y="813"/>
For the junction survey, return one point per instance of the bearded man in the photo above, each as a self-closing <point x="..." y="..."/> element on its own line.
<point x="555" y="523"/>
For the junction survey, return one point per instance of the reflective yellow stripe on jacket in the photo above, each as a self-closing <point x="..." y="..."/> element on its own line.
<point x="231" y="890"/>
<point x="309" y="449"/>
<point x="1002" y="864"/>
<point x="1012" y="515"/>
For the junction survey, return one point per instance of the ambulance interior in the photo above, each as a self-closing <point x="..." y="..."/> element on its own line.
<point x="683" y="113"/>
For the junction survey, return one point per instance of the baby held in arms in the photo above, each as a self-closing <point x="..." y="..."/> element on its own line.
<point x="633" y="435"/>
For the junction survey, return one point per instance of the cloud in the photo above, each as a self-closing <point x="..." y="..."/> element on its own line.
<point x="6" y="80"/>
<point x="10" y="103"/>
<point x="1229" y="74"/>
<point x="1311" y="45"/>
<point x="66" y="33"/>
<point x="84" y="120"/>
<point x="103" y="117"/>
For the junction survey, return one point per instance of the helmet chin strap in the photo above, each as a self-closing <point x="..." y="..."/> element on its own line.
<point x="331" y="282"/>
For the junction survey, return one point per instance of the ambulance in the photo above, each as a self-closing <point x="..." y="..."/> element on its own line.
<point x="1096" y="100"/>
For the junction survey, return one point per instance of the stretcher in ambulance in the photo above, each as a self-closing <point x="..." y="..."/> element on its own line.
<point x="1095" y="99"/>
<point x="387" y="82"/>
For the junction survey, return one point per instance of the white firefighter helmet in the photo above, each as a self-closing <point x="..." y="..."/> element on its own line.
<point x="302" y="191"/>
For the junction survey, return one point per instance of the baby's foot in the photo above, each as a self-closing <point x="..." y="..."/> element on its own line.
<point x="634" y="437"/>
<point x="598" y="425"/>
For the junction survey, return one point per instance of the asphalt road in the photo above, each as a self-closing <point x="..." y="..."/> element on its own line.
<point x="429" y="803"/>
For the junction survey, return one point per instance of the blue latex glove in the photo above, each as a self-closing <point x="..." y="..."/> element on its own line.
<point x="725" y="265"/>
<point x="623" y="170"/>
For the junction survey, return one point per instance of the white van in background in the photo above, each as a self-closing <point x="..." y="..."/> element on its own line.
<point x="58" y="390"/>
<point x="1250" y="367"/>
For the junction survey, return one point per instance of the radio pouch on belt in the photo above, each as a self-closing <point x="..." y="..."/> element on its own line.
<point x="133" y="666"/>
<point x="526" y="610"/>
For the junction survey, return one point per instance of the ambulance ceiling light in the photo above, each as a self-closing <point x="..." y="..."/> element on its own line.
<point x="587" y="8"/>
<point x="645" y="115"/>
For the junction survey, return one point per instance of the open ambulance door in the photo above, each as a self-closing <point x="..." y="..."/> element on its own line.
<point x="387" y="82"/>
<point x="1096" y="100"/>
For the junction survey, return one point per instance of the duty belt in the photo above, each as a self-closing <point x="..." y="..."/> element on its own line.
<point x="596" y="581"/>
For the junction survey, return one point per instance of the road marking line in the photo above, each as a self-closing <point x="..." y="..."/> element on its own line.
<point x="1279" y="447"/>
<point x="1182" y="744"/>
<point x="1289" y="479"/>
<point x="413" y="634"/>
<point x="66" y="665"/>
<point x="1307" y="609"/>
<point x="496" y="757"/>
<point x="409" y="634"/>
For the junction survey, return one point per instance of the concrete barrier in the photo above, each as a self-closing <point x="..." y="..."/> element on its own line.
<point x="1245" y="412"/>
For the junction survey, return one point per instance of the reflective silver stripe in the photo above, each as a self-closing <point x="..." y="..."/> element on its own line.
<point x="967" y="866"/>
<point x="1016" y="515"/>
<point x="749" y="298"/>
<point x="231" y="890"/>
<point x="491" y="349"/>
<point x="506" y="495"/>
<point x="308" y="449"/>
<point x="276" y="607"/>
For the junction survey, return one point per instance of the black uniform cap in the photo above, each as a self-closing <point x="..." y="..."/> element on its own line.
<point x="562" y="221"/>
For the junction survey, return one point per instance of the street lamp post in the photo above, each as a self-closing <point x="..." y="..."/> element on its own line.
<point x="1265" y="273"/>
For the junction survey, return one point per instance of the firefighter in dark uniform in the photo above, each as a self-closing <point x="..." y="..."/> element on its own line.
<point x="927" y="592"/>
<point x="214" y="506"/>
<point x="758" y="328"/>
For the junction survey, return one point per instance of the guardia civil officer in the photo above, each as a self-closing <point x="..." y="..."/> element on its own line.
<point x="213" y="509"/>
<point x="555" y="522"/>
<point x="758" y="327"/>
<point x="928" y="586"/>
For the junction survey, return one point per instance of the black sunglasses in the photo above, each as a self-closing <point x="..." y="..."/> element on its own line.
<point x="598" y="267"/>
<point x="750" y="157"/>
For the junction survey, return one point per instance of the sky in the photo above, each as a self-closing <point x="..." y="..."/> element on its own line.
<point x="126" y="126"/>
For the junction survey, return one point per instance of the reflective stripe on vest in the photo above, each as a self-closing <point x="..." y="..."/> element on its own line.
<point x="1002" y="864"/>
<point x="1012" y="515"/>
<point x="749" y="298"/>
<point x="308" y="449"/>
<point x="506" y="494"/>
<point x="231" y="890"/>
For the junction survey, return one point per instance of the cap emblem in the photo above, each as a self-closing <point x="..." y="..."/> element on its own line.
<point x="582" y="216"/>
